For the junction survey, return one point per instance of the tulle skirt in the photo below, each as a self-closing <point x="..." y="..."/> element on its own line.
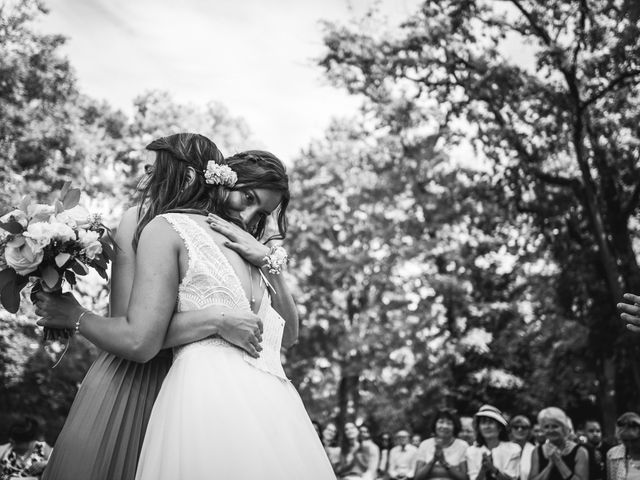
<point x="103" y="434"/>
<point x="217" y="417"/>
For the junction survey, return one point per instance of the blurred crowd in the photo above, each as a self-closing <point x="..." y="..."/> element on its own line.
<point x="26" y="454"/>
<point x="488" y="446"/>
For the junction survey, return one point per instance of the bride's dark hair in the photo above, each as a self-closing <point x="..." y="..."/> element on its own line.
<point x="167" y="187"/>
<point x="261" y="169"/>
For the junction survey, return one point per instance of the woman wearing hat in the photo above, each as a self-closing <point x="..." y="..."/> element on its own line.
<point x="559" y="458"/>
<point x="493" y="457"/>
<point x="623" y="461"/>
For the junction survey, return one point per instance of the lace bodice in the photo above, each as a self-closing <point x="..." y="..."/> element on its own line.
<point x="211" y="280"/>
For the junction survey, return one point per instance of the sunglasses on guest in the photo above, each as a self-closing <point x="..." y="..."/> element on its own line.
<point x="628" y="424"/>
<point x="520" y="427"/>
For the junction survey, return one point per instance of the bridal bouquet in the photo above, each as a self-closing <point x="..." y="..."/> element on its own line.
<point x="49" y="244"/>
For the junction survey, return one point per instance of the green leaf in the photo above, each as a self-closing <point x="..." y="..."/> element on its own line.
<point x="71" y="199"/>
<point x="24" y="203"/>
<point x="59" y="206"/>
<point x="70" y="277"/>
<point x="62" y="258"/>
<point x="7" y="275"/>
<point x="10" y="297"/>
<point x="79" y="268"/>
<point x="50" y="276"/>
<point x="100" y="261"/>
<point x="107" y="249"/>
<point x="64" y="191"/>
<point x="102" y="272"/>
<point x="12" y="227"/>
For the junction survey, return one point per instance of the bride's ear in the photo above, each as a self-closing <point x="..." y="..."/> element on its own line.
<point x="191" y="176"/>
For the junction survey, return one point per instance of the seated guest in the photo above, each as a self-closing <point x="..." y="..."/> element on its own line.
<point x="538" y="435"/>
<point x="365" y="438"/>
<point x="24" y="456"/>
<point x="330" y="444"/>
<point x="493" y="457"/>
<point x="559" y="458"/>
<point x="402" y="458"/>
<point x="520" y="433"/>
<point x="467" y="433"/>
<point x="623" y="461"/>
<point x="385" y="448"/>
<point x="442" y="457"/>
<point x="357" y="460"/>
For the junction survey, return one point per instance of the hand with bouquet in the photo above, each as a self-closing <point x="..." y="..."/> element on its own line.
<point x="48" y="245"/>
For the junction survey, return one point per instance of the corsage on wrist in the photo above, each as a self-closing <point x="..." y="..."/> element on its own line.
<point x="275" y="260"/>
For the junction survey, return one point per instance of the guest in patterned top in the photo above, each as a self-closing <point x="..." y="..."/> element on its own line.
<point x="24" y="456"/>
<point x="623" y="461"/>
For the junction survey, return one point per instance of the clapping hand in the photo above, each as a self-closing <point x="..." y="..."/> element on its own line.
<point x="550" y="450"/>
<point x="553" y="453"/>
<point x="239" y="240"/>
<point x="439" y="454"/>
<point x="630" y="311"/>
<point x="487" y="463"/>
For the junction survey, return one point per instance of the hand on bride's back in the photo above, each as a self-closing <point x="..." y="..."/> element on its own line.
<point x="243" y="329"/>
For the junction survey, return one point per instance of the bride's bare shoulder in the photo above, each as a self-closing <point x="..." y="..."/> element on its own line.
<point x="201" y="220"/>
<point x="158" y="231"/>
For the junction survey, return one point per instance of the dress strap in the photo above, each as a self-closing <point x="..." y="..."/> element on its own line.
<point x="184" y="227"/>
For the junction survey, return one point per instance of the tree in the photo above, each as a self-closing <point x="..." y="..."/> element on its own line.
<point x="562" y="136"/>
<point x="417" y="286"/>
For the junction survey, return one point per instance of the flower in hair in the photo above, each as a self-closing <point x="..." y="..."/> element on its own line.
<point x="217" y="174"/>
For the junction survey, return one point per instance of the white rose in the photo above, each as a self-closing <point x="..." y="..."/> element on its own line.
<point x="24" y="259"/>
<point x="90" y="242"/>
<point x="40" y="234"/>
<point x="18" y="215"/>
<point x="78" y="216"/>
<point x="93" y="249"/>
<point x="39" y="212"/>
<point x="64" y="217"/>
<point x="87" y="237"/>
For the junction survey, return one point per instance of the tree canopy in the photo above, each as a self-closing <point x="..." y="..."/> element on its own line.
<point x="560" y="134"/>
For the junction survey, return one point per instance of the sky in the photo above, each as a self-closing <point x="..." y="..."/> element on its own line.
<point x="257" y="57"/>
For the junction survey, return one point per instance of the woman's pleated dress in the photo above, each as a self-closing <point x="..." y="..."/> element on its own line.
<point x="103" y="434"/>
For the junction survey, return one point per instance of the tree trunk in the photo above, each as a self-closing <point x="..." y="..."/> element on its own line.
<point x="608" y="394"/>
<point x="347" y="390"/>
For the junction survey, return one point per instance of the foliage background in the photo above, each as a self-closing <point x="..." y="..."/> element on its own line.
<point x="424" y="277"/>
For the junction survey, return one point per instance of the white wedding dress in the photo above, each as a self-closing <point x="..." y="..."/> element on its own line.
<point x="220" y="413"/>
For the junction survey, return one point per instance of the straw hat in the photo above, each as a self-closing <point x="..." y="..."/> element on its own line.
<point x="489" y="411"/>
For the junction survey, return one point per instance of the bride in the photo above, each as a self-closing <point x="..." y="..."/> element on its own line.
<point x="220" y="412"/>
